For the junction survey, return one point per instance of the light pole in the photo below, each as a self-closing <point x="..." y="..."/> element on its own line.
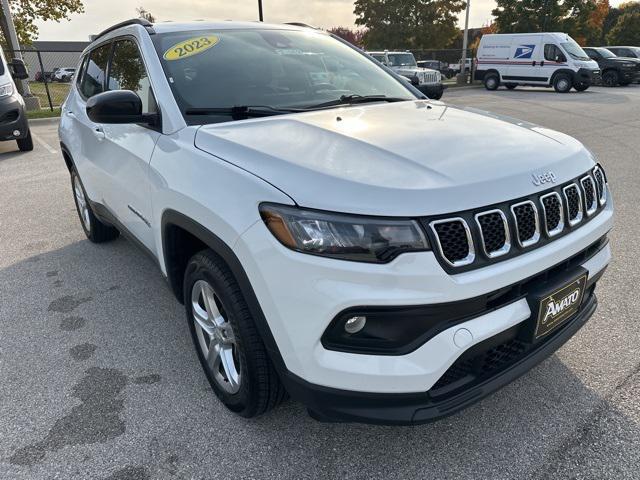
<point x="462" y="76"/>
<point x="260" y="10"/>
<point x="12" y="41"/>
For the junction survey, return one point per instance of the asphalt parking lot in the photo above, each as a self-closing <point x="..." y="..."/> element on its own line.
<point x="99" y="378"/>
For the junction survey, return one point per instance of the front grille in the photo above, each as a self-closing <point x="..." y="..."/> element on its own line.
<point x="552" y="212"/>
<point x="494" y="232"/>
<point x="589" y="191"/>
<point x="10" y="116"/>
<point x="454" y="241"/>
<point x="430" y="77"/>
<point x="574" y="204"/>
<point x="508" y="229"/>
<point x="525" y="215"/>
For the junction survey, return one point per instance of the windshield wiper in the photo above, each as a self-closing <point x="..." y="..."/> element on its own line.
<point x="356" y="99"/>
<point x="242" y="112"/>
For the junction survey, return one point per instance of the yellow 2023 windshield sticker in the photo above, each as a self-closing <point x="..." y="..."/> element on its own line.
<point x="192" y="46"/>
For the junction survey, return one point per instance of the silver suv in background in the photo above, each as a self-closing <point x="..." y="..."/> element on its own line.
<point x="426" y="80"/>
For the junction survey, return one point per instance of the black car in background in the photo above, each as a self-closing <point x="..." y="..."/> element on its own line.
<point x="615" y="70"/>
<point x="442" y="67"/>
<point x="629" y="52"/>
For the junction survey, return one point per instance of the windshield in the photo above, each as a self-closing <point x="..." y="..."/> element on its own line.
<point x="605" y="53"/>
<point x="402" y="59"/>
<point x="278" y="69"/>
<point x="574" y="50"/>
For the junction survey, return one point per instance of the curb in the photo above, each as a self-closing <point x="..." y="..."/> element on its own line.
<point x="44" y="121"/>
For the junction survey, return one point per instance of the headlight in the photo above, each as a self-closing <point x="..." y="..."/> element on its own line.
<point x="6" y="90"/>
<point x="628" y="65"/>
<point x="343" y="236"/>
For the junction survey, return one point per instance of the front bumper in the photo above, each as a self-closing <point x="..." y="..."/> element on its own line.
<point x="432" y="90"/>
<point x="331" y="405"/>
<point x="12" y="118"/>
<point x="587" y="76"/>
<point x="629" y="75"/>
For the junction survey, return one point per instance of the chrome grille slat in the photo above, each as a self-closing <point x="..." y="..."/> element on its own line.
<point x="601" y="185"/>
<point x="454" y="255"/>
<point x="552" y="207"/>
<point x="500" y="240"/>
<point x="573" y="199"/>
<point x="523" y="213"/>
<point x="589" y="194"/>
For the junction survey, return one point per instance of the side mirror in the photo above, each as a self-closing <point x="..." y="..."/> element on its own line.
<point x="18" y="69"/>
<point x="118" y="106"/>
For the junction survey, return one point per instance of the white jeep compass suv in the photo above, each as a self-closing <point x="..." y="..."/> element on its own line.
<point x="306" y="206"/>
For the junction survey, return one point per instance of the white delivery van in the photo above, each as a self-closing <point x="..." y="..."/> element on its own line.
<point x="537" y="59"/>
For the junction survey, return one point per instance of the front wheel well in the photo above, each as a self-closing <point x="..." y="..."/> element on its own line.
<point x="67" y="158"/>
<point x="180" y="246"/>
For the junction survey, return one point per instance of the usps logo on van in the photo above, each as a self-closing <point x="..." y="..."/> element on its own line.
<point x="524" y="51"/>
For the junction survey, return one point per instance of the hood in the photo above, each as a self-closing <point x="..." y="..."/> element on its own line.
<point x="411" y="70"/>
<point x="401" y="159"/>
<point x="623" y="60"/>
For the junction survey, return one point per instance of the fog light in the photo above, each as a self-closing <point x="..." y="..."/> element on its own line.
<point x="16" y="133"/>
<point x="355" y="324"/>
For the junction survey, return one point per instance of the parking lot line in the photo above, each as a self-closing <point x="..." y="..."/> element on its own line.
<point x="43" y="144"/>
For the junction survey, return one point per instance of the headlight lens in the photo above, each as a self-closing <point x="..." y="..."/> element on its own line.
<point x="343" y="236"/>
<point x="628" y="65"/>
<point x="6" y="90"/>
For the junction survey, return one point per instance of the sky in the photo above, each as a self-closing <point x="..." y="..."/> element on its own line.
<point x="100" y="14"/>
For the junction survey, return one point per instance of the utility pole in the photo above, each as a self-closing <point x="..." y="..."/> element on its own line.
<point x="462" y="76"/>
<point x="260" y="10"/>
<point x="12" y="41"/>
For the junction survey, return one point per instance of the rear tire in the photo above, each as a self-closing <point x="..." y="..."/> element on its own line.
<point x="610" y="78"/>
<point x="225" y="336"/>
<point x="562" y="83"/>
<point x="491" y="81"/>
<point x="25" y="144"/>
<point x="94" y="229"/>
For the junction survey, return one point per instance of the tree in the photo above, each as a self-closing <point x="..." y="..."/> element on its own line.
<point x="353" y="36"/>
<point x="614" y="15"/>
<point x="575" y="17"/>
<point x="26" y="12"/>
<point x="417" y="24"/>
<point x="626" y="30"/>
<point x="486" y="30"/>
<point x="145" y="14"/>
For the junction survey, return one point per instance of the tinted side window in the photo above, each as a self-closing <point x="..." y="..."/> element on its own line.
<point x="592" y="54"/>
<point x="93" y="78"/>
<point x="127" y="72"/>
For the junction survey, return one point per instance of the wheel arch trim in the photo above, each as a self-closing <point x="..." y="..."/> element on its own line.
<point x="225" y="252"/>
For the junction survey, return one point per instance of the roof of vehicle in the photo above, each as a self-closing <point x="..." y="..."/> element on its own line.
<point x="382" y="52"/>
<point x="621" y="46"/>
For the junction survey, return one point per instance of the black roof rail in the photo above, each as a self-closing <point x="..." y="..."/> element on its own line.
<point x="300" y="24"/>
<point x="133" y="21"/>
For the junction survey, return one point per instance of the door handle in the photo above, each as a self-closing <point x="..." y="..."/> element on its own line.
<point x="99" y="133"/>
<point x="534" y="63"/>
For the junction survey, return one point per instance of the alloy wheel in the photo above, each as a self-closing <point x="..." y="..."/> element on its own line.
<point x="216" y="338"/>
<point x="81" y="202"/>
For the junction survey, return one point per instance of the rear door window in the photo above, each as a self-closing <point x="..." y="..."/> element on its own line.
<point x="94" y="76"/>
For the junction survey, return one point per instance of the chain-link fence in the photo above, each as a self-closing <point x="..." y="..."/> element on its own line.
<point x="50" y="74"/>
<point x="447" y="61"/>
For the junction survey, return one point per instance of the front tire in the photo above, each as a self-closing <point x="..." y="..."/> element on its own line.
<point x="610" y="78"/>
<point x="511" y="86"/>
<point x="491" y="81"/>
<point x="562" y="83"/>
<point x="581" y="87"/>
<point x="93" y="228"/>
<point x="224" y="333"/>
<point x="25" y="144"/>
